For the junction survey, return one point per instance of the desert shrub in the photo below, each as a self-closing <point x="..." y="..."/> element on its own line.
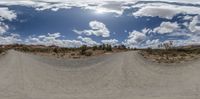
<point x="103" y="47"/>
<point x="108" y="47"/>
<point x="55" y="50"/>
<point x="25" y="49"/>
<point x="88" y="53"/>
<point x="174" y="54"/>
<point x="166" y="45"/>
<point x="62" y="55"/>
<point x="83" y="49"/>
<point x="183" y="55"/>
<point x="122" y="47"/>
<point x="115" y="46"/>
<point x="2" y="50"/>
<point x="73" y="54"/>
<point x="149" y="50"/>
<point x="94" y="48"/>
<point x="100" y="47"/>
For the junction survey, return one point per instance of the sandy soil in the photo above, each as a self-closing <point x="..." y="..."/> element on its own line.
<point x="124" y="75"/>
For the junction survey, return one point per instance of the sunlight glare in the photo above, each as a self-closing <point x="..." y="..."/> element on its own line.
<point x="101" y="10"/>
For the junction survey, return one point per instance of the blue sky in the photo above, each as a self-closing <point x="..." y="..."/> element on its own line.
<point x="134" y="23"/>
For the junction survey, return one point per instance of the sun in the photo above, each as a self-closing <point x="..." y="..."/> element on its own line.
<point x="101" y="10"/>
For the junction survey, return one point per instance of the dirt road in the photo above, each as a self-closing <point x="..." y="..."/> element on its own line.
<point x="119" y="76"/>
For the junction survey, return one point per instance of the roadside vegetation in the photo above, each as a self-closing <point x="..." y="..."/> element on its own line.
<point x="3" y="50"/>
<point x="83" y="51"/>
<point x="167" y="53"/>
<point x="164" y="53"/>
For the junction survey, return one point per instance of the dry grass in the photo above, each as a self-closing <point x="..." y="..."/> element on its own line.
<point x="171" y="55"/>
<point x="2" y="51"/>
<point x="74" y="53"/>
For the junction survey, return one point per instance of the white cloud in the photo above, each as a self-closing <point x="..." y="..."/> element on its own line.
<point x="116" y="7"/>
<point x="164" y="10"/>
<point x="97" y="28"/>
<point x="156" y="11"/>
<point x="193" y="27"/>
<point x="149" y="42"/>
<point x="88" y="41"/>
<point x="71" y="43"/>
<point x="53" y="7"/>
<point x="179" y="1"/>
<point x="52" y="39"/>
<point x="108" y="6"/>
<point x="146" y="31"/>
<point x="193" y="40"/>
<point x="6" y="14"/>
<point x="166" y="27"/>
<point x="10" y="39"/>
<point x="3" y="28"/>
<point x="7" y="38"/>
<point x="112" y="42"/>
<point x="187" y="17"/>
<point x="102" y="6"/>
<point x="135" y="38"/>
<point x="152" y="43"/>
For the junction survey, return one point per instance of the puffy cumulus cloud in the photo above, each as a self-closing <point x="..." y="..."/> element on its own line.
<point x="187" y="17"/>
<point x="52" y="39"/>
<point x="88" y="41"/>
<point x="166" y="27"/>
<point x="152" y="43"/>
<point x="193" y="40"/>
<point x="74" y="1"/>
<point x="102" y="6"/>
<point x="107" y="6"/>
<point x="53" y="7"/>
<point x="193" y="25"/>
<point x="6" y="14"/>
<point x="10" y="39"/>
<point x="97" y="28"/>
<point x="164" y="10"/>
<point x="135" y="38"/>
<point x="3" y="28"/>
<point x="179" y="1"/>
<point x="7" y="38"/>
<point x="112" y="42"/>
<point x="156" y="11"/>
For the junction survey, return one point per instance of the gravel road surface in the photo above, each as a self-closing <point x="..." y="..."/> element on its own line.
<point x="118" y="76"/>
